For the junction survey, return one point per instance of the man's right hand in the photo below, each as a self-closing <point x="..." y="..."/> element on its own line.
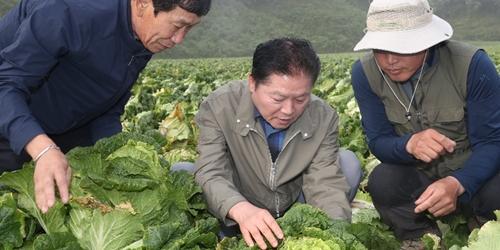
<point x="255" y="222"/>
<point x="428" y="145"/>
<point x="51" y="168"/>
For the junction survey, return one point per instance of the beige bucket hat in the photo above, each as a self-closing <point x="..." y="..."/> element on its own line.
<point x="403" y="26"/>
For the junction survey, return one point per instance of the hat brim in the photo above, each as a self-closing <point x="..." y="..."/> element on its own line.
<point x="407" y="41"/>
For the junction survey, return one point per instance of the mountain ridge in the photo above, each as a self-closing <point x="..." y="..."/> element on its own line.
<point x="233" y="28"/>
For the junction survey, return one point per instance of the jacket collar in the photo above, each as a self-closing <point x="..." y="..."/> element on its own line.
<point x="246" y="119"/>
<point x="127" y="31"/>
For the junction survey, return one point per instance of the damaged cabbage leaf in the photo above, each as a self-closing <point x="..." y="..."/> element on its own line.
<point x="175" y="127"/>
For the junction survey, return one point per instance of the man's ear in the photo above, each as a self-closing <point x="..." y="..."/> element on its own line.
<point x="251" y="83"/>
<point x="141" y="6"/>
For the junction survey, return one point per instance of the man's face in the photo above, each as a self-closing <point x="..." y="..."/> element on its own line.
<point x="281" y="99"/>
<point x="399" y="67"/>
<point x="164" y="30"/>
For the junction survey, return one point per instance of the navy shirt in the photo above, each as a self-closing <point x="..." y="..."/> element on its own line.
<point x="482" y="116"/>
<point x="65" y="64"/>
<point x="275" y="137"/>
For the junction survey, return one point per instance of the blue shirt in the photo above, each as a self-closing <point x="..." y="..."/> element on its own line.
<point x="275" y="137"/>
<point x="64" y="65"/>
<point x="483" y="124"/>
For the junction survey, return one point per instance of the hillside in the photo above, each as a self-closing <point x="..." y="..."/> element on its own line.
<point x="6" y="5"/>
<point x="235" y="27"/>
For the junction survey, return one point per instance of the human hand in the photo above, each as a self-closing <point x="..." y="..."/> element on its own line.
<point x="255" y="222"/>
<point x="51" y="168"/>
<point x="440" y="198"/>
<point x="428" y="145"/>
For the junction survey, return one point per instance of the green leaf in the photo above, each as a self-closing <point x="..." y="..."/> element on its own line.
<point x="202" y="234"/>
<point x="454" y="230"/>
<point x="233" y="243"/>
<point x="185" y="193"/>
<point x="180" y="154"/>
<point x="140" y="159"/>
<point x="108" y="145"/>
<point x="301" y="216"/>
<point x="431" y="241"/>
<point x="487" y="237"/>
<point x="374" y="236"/>
<point x="12" y="222"/>
<point x="95" y="230"/>
<point x="56" y="241"/>
<point x="324" y="235"/>
<point x="306" y="243"/>
<point x="364" y="215"/>
<point x="22" y="182"/>
<point x="157" y="236"/>
<point x="85" y="159"/>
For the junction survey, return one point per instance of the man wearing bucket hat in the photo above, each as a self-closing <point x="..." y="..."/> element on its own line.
<point x="431" y="112"/>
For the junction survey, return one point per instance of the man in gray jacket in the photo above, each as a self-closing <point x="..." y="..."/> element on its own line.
<point x="265" y="141"/>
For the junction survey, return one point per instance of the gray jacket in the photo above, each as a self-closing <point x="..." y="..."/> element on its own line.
<point x="235" y="163"/>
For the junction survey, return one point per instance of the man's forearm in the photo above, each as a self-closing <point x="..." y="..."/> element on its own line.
<point x="483" y="164"/>
<point x="390" y="149"/>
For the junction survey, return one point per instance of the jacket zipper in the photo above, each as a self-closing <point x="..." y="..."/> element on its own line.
<point x="276" y="197"/>
<point x="271" y="180"/>
<point x="131" y="60"/>
<point x="272" y="175"/>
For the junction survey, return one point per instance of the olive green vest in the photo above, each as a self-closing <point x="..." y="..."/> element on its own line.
<point x="440" y="102"/>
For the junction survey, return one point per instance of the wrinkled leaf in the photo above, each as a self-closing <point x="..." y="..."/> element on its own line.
<point x="22" y="182"/>
<point x="56" y="241"/>
<point x="12" y="222"/>
<point x="95" y="230"/>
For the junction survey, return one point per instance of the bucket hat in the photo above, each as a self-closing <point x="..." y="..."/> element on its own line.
<point x="403" y="26"/>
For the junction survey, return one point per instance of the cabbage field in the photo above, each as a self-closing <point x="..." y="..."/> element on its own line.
<point x="125" y="197"/>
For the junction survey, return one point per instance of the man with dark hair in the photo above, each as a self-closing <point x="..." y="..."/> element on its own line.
<point x="66" y="70"/>
<point x="265" y="141"/>
<point x="430" y="110"/>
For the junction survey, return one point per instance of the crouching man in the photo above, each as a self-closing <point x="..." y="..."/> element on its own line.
<point x="266" y="141"/>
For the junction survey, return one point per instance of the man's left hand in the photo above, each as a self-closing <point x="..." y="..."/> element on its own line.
<point x="440" y="198"/>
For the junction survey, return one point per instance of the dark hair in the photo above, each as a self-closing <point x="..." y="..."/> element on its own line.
<point x="290" y="56"/>
<point x="198" y="7"/>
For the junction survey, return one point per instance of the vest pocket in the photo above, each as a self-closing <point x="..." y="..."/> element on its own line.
<point x="446" y="115"/>
<point x="449" y="121"/>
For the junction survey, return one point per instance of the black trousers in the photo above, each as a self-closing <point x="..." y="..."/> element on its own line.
<point x="395" y="188"/>
<point x="10" y="161"/>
